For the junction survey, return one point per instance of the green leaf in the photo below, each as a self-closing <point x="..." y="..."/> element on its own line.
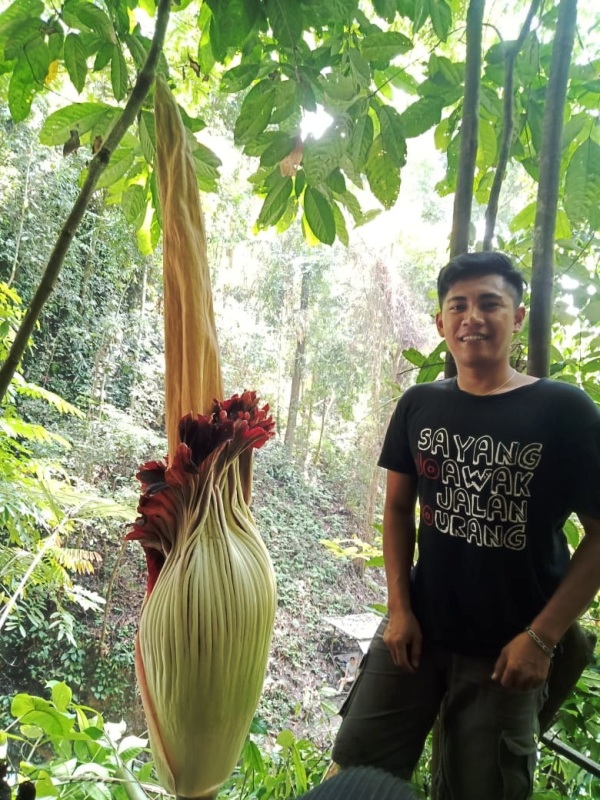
<point x="21" y="90"/>
<point x="421" y="116"/>
<point x="384" y="46"/>
<point x="238" y="78"/>
<point x="433" y="365"/>
<point x="118" y="74"/>
<point x="276" y="200"/>
<point x="103" y="56"/>
<point x="252" y="759"/>
<point x="207" y="166"/>
<point x="392" y="134"/>
<point x="21" y="705"/>
<point x="147" y="133"/>
<point x="383" y="174"/>
<point x="286" y="21"/>
<point x="81" y="116"/>
<point x="119" y="164"/>
<point x="61" y="696"/>
<point x="414" y="357"/>
<point x="75" y="61"/>
<point x="487" y="145"/>
<point x="336" y="181"/>
<point x="524" y="219"/>
<point x="562" y="229"/>
<point x="138" y="49"/>
<point x="361" y="141"/>
<point x="286" y="739"/>
<point x="582" y="185"/>
<point x="322" y="156"/>
<point x="386" y="9"/>
<point x="19" y="11"/>
<point x="572" y="533"/>
<point x="339" y="10"/>
<point x="319" y="215"/>
<point x="88" y="16"/>
<point x="281" y="146"/>
<point x="232" y="25"/>
<point x="441" y="18"/>
<point x="255" y="113"/>
<point x="341" y="229"/>
<point x="134" y="203"/>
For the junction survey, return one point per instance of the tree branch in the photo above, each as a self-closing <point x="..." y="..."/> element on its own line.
<point x="97" y="166"/>
<point x="508" y="128"/>
<point x="540" y="319"/>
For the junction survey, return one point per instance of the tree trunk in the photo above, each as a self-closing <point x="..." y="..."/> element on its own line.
<point x="24" y="206"/>
<point x="97" y="166"/>
<point x="290" y="431"/>
<point x="540" y="320"/>
<point x="463" y="199"/>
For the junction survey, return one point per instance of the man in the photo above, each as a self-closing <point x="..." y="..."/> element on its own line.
<point x="497" y="461"/>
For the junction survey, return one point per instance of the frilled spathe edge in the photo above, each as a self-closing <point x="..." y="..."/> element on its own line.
<point x="208" y="446"/>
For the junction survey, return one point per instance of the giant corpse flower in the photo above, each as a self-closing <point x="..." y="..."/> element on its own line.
<point x="207" y="617"/>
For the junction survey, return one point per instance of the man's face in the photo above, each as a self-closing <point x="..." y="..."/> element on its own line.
<point x="477" y="319"/>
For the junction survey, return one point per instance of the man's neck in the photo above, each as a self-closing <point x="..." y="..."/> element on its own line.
<point x="498" y="380"/>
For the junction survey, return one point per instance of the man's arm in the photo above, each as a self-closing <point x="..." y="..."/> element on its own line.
<point x="403" y="633"/>
<point x="522" y="664"/>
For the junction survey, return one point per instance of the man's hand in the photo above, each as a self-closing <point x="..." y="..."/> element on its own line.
<point x="404" y="639"/>
<point x="522" y="664"/>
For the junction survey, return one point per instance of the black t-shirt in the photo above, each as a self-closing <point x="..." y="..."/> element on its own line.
<point x="498" y="476"/>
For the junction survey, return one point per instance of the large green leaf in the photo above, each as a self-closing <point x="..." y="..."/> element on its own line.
<point x="232" y="25"/>
<point x="384" y="46"/>
<point x="281" y="146"/>
<point x="582" y="185"/>
<point x="276" y="201"/>
<point x="207" y="166"/>
<point x="361" y="141"/>
<point x="21" y="34"/>
<point x="147" y="134"/>
<point x="286" y="21"/>
<point x="322" y="156"/>
<point x="19" y="11"/>
<point x="392" y="134"/>
<point x="441" y="18"/>
<point x="486" y="145"/>
<point x="75" y="61"/>
<point x="341" y="229"/>
<point x="433" y="365"/>
<point x="28" y="76"/>
<point x="238" y="78"/>
<point x="255" y="113"/>
<point x="421" y="116"/>
<point x="524" y="219"/>
<point x="118" y="74"/>
<point x="133" y="203"/>
<point x="386" y="9"/>
<point x="80" y="116"/>
<point x="120" y="163"/>
<point x="319" y="215"/>
<point x="383" y="174"/>
<point x="339" y="10"/>
<point x="88" y="16"/>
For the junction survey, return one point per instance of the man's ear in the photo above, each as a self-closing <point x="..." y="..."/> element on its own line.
<point x="519" y="317"/>
<point x="439" y="324"/>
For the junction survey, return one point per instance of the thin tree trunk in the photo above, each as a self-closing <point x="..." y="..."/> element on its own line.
<point x="326" y="410"/>
<point x="508" y="129"/>
<point x="290" y="431"/>
<point x="463" y="199"/>
<point x="97" y="166"/>
<point x="24" y="207"/>
<point x="540" y="320"/>
<point x="139" y="338"/>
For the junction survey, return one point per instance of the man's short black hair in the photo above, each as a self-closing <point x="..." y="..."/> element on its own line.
<point x="474" y="265"/>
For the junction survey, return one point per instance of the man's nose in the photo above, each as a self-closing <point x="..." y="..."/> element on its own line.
<point x="474" y="315"/>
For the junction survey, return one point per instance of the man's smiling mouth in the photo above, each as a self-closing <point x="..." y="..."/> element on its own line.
<point x="473" y="337"/>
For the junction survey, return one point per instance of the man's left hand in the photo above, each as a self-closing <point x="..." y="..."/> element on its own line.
<point x="521" y="664"/>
